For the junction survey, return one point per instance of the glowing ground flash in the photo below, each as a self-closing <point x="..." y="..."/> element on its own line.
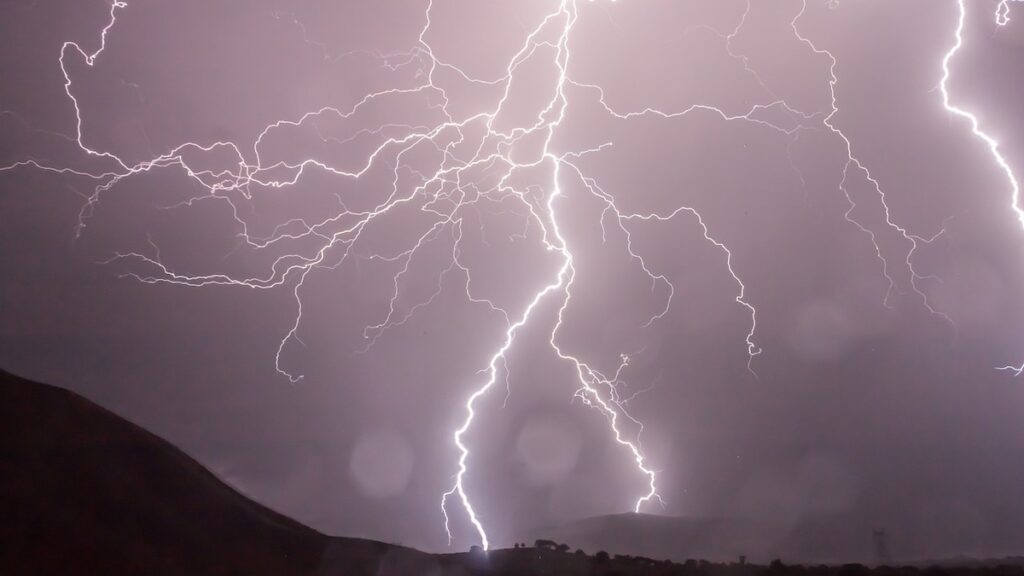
<point x="443" y="196"/>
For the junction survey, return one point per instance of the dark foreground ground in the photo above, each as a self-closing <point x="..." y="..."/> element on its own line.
<point x="84" y="492"/>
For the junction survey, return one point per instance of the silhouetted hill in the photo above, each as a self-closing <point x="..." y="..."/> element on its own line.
<point x="83" y="491"/>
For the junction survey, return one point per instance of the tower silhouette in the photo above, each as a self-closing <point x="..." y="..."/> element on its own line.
<point x="882" y="556"/>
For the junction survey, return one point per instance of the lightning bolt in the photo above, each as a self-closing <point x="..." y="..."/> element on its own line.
<point x="589" y="379"/>
<point x="464" y="146"/>
<point x="1002" y="18"/>
<point x="853" y="167"/>
<point x="1002" y="14"/>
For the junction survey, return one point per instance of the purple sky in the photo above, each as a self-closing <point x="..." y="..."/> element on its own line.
<point x="170" y="292"/>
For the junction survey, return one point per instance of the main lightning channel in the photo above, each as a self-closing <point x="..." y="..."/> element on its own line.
<point x="564" y="279"/>
<point x="1002" y="19"/>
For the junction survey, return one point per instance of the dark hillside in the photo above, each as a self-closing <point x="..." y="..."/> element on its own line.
<point x="82" y="491"/>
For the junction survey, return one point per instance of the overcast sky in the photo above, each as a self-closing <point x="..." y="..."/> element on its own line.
<point x="873" y="400"/>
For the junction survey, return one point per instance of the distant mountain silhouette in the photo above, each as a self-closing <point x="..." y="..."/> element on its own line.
<point x="826" y="538"/>
<point x="83" y="491"/>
